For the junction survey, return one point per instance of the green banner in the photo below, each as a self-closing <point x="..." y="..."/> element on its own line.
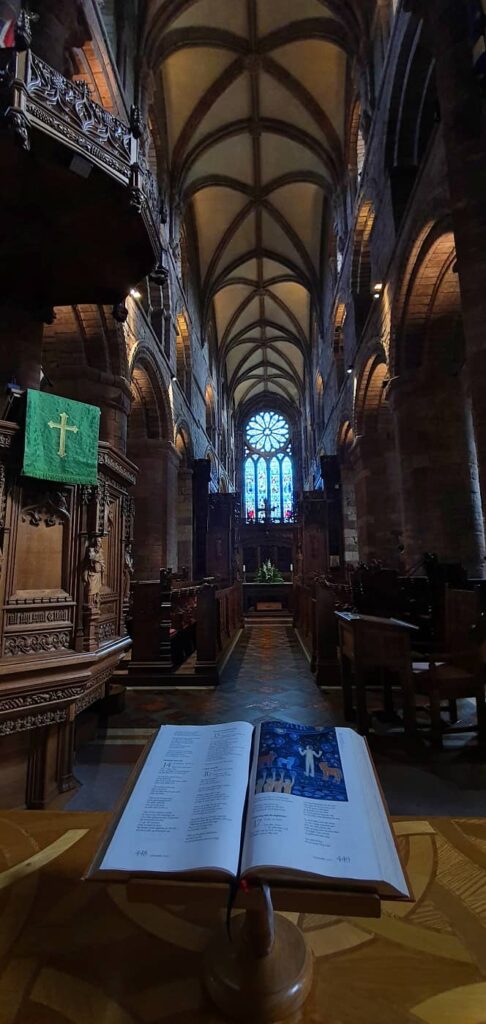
<point x="61" y="439"/>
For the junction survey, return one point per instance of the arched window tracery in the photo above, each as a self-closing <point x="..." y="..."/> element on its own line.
<point x="268" y="470"/>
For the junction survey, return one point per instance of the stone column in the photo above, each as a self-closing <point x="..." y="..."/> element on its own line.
<point x="112" y="395"/>
<point x="185" y="520"/>
<point x="377" y="499"/>
<point x="61" y="27"/>
<point x="439" y="482"/>
<point x="202" y="474"/>
<point x="463" y="114"/>
<point x="20" y="348"/>
<point x="155" y="531"/>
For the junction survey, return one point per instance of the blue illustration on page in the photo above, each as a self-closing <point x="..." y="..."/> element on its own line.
<point x="300" y="761"/>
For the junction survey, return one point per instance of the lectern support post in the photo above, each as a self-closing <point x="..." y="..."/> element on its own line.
<point x="264" y="971"/>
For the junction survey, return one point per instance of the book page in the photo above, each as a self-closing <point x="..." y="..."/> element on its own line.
<point x="186" y="809"/>
<point x="314" y="806"/>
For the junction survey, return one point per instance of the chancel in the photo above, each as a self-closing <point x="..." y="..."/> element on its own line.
<point x="243" y="492"/>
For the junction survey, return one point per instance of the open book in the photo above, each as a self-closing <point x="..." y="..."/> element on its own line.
<point x="279" y="802"/>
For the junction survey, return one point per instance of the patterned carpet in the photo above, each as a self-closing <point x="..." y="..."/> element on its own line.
<point x="72" y="951"/>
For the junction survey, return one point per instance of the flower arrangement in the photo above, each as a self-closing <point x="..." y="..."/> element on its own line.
<point x="268" y="573"/>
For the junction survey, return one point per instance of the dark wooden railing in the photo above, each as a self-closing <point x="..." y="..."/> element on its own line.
<point x="315" y="604"/>
<point x="219" y="617"/>
<point x="164" y="622"/>
<point x="171" y="622"/>
<point x="305" y="617"/>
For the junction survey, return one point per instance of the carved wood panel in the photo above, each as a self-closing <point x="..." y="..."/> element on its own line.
<point x="39" y="586"/>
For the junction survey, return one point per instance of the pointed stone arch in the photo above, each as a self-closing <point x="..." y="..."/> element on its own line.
<point x="184" y="356"/>
<point x="338" y="343"/>
<point x="210" y="413"/>
<point x="185" y="500"/>
<point x="361" y="276"/>
<point x="151" y="448"/>
<point x="438" y="451"/>
<point x="345" y="444"/>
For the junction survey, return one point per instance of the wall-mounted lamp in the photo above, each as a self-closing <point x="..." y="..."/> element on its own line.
<point x="377" y="290"/>
<point x="134" y="292"/>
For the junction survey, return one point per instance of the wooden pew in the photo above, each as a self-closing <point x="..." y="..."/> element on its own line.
<point x="219" y="622"/>
<point x="164" y="626"/>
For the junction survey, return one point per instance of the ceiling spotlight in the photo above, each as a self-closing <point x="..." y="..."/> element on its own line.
<point x="350" y="369"/>
<point x="377" y="290"/>
<point x="174" y="378"/>
<point x="134" y="292"/>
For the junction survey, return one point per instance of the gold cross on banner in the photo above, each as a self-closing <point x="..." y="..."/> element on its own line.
<point x="63" y="427"/>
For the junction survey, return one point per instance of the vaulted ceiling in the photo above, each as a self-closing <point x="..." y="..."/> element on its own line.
<point x="255" y="98"/>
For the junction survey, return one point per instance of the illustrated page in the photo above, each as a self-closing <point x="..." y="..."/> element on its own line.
<point x="185" y="812"/>
<point x="314" y="806"/>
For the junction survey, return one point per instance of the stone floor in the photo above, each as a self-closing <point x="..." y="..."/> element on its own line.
<point x="268" y="677"/>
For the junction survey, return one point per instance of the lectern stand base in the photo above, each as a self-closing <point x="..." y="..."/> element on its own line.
<point x="255" y="988"/>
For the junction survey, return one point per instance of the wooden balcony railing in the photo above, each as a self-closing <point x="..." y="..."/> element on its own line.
<point x="35" y="96"/>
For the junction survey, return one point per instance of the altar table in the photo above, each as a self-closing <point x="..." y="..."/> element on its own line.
<point x="81" y="952"/>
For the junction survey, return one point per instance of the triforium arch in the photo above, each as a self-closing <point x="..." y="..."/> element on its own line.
<point x="160" y="309"/>
<point x="361" y="277"/>
<point x="210" y="413"/>
<point x="185" y="500"/>
<point x="376" y="464"/>
<point x="338" y="342"/>
<point x="183" y="355"/>
<point x="412" y="115"/>
<point x="356" y="145"/>
<point x="344" y="447"/>
<point x="320" y="410"/>
<point x="438" y="457"/>
<point x="150" y="447"/>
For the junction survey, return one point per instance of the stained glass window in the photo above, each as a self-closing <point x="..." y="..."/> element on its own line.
<point x="267" y="432"/>
<point x="287" y="487"/>
<point x="250" y="488"/>
<point x="275" y="495"/>
<point x="269" y="491"/>
<point x="262" y="481"/>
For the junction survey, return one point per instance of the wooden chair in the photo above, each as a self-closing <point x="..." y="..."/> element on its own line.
<point x="459" y="670"/>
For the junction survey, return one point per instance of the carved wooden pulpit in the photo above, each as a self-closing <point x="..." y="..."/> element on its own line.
<point x="65" y="552"/>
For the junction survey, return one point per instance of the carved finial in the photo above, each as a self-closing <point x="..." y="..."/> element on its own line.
<point x="83" y="88"/>
<point x="159" y="275"/>
<point x="18" y="125"/>
<point x="23" y="30"/>
<point x="166" y="578"/>
<point x="137" y="126"/>
<point x="44" y="314"/>
<point x="120" y="312"/>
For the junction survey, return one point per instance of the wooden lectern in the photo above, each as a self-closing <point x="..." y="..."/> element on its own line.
<point x="262" y="971"/>
<point x="259" y="968"/>
<point x="368" y="642"/>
